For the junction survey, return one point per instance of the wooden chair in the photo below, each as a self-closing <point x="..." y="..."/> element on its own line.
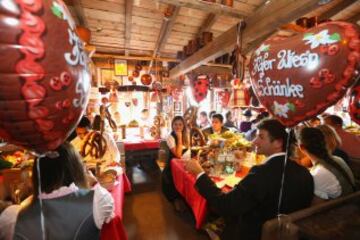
<point x="336" y="219"/>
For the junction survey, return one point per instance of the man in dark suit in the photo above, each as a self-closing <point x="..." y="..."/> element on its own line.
<point x="255" y="199"/>
<point x="216" y="126"/>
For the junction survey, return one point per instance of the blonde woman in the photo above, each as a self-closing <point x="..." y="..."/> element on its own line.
<point x="333" y="142"/>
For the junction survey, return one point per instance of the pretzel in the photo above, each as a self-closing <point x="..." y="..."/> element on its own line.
<point x="94" y="145"/>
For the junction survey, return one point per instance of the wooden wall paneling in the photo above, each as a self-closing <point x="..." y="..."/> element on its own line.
<point x="183" y="27"/>
<point x="107" y="32"/>
<point x="195" y="13"/>
<point x="148" y="22"/>
<point x="104" y="15"/>
<point x="224" y="23"/>
<point x="102" y="24"/>
<point x="178" y="41"/>
<point x="137" y="29"/>
<point x="167" y="26"/>
<point x="207" y="24"/>
<point x="109" y="39"/>
<point x="247" y="8"/>
<point x="208" y="7"/>
<point x="173" y="47"/>
<point x="102" y="56"/>
<point x="190" y="21"/>
<point x="128" y="23"/>
<point x="148" y="13"/>
<point x="144" y="37"/>
<point x="109" y="6"/>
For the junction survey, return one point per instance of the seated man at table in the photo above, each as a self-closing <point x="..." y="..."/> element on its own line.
<point x="255" y="199"/>
<point x="96" y="147"/>
<point x="216" y="126"/>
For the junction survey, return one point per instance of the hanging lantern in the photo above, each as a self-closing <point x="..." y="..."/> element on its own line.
<point x="83" y="33"/>
<point x="224" y="97"/>
<point x="200" y="87"/>
<point x="240" y="96"/>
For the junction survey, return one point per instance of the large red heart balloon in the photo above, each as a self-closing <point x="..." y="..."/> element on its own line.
<point x="354" y="106"/>
<point x="299" y="77"/>
<point x="200" y="87"/>
<point x="44" y="76"/>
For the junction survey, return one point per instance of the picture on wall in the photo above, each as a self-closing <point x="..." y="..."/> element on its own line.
<point x="107" y="75"/>
<point x="120" y="67"/>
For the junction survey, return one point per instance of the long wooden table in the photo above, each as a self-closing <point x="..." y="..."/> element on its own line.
<point x="185" y="184"/>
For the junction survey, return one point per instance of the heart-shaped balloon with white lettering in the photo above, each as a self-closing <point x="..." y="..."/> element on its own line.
<point x="44" y="73"/>
<point x="298" y="77"/>
<point x="354" y="104"/>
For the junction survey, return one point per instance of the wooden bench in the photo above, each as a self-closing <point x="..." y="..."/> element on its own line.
<point x="338" y="219"/>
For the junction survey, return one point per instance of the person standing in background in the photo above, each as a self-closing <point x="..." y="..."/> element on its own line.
<point x="216" y="126"/>
<point x="246" y="125"/>
<point x="229" y="120"/>
<point x="203" y="120"/>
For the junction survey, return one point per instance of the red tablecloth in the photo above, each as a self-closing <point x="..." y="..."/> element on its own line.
<point x="141" y="144"/>
<point x="115" y="229"/>
<point x="185" y="184"/>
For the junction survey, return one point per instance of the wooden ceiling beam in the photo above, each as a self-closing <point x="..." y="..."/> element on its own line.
<point x="208" y="23"/>
<point x="128" y="14"/>
<point x="79" y="12"/>
<point x="208" y="7"/>
<point x="354" y="19"/>
<point x="265" y="20"/>
<point x="336" y="9"/>
<point x="138" y="58"/>
<point x="166" y="27"/>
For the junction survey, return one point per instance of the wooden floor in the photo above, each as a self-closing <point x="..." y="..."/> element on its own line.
<point x="148" y="215"/>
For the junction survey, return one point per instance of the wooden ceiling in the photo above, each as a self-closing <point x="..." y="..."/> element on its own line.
<point x="160" y="28"/>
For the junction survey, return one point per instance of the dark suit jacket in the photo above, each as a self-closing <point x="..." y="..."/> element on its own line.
<point x="255" y="199"/>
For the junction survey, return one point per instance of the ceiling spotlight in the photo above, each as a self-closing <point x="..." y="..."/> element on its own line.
<point x="323" y="2"/>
